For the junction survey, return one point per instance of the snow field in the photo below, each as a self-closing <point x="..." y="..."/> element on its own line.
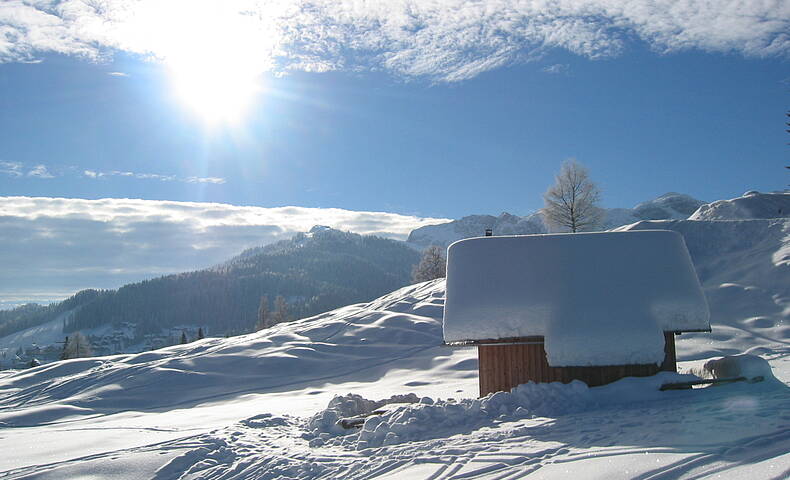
<point x="241" y="407"/>
<point x="628" y="429"/>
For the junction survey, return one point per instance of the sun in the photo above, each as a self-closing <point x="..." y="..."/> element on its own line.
<point x="218" y="90"/>
<point x="216" y="56"/>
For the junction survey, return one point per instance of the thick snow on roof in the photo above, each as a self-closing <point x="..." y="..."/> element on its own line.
<point x="597" y="298"/>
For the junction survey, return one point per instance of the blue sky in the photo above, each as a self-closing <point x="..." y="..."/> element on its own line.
<point x="424" y="109"/>
<point x="456" y="126"/>
<point x="710" y="125"/>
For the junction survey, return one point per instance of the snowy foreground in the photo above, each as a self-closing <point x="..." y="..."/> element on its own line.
<point x="265" y="405"/>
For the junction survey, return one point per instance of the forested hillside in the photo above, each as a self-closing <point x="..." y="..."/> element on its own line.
<point x="31" y="314"/>
<point x="314" y="272"/>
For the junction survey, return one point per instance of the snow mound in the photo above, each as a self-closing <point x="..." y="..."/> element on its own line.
<point x="597" y="298"/>
<point x="751" y="205"/>
<point x="430" y="418"/>
<point x="744" y="365"/>
<point x="348" y="406"/>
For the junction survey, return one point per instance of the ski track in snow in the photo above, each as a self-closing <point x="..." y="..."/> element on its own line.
<point x="691" y="444"/>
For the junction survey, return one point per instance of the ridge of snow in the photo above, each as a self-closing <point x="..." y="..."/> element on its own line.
<point x="750" y="205"/>
<point x="668" y="206"/>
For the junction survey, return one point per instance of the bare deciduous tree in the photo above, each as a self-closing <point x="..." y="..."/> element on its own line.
<point x="432" y="265"/>
<point x="263" y="314"/>
<point x="572" y="202"/>
<point x="280" y="313"/>
<point x="76" y="346"/>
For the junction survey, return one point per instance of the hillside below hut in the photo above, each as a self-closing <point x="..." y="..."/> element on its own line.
<point x="594" y="307"/>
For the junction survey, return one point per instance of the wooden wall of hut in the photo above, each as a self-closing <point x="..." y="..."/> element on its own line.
<point x="507" y="363"/>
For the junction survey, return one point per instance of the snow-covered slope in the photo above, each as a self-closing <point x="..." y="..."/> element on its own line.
<point x="254" y="406"/>
<point x="749" y="206"/>
<point x="45" y="334"/>
<point x="475" y="226"/>
<point x="668" y="206"/>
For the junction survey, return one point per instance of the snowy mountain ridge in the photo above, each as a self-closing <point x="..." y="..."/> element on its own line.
<point x="750" y="205"/>
<point x="672" y="206"/>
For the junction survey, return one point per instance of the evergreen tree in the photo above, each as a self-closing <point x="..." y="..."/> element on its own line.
<point x="184" y="338"/>
<point x="201" y="336"/>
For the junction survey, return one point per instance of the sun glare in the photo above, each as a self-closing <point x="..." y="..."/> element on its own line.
<point x="217" y="91"/>
<point x="215" y="53"/>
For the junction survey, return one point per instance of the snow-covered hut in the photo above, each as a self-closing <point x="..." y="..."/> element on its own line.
<point x="595" y="307"/>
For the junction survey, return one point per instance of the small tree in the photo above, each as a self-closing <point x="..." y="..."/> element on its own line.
<point x="184" y="338"/>
<point x="76" y="346"/>
<point x="280" y="313"/>
<point x="201" y="335"/>
<point x="572" y="202"/>
<point x="263" y="314"/>
<point x="432" y="265"/>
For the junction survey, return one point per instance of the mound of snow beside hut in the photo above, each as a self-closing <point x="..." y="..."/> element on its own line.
<point x="597" y="298"/>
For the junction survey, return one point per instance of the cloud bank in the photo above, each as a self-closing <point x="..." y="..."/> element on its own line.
<point x="52" y="247"/>
<point x="444" y="40"/>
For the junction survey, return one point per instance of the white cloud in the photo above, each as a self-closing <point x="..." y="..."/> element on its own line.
<point x="556" y="69"/>
<point x="215" y="180"/>
<point x="13" y="169"/>
<point x="53" y="245"/>
<point x="40" y="171"/>
<point x="152" y="176"/>
<point x="441" y="39"/>
<point x="17" y="169"/>
<point x="117" y="74"/>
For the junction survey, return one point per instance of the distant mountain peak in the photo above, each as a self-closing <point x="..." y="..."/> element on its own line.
<point x="671" y="205"/>
<point x="321" y="228"/>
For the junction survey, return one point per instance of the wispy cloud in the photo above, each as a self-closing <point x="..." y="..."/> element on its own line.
<point x="440" y="39"/>
<point x="40" y="171"/>
<point x="54" y="245"/>
<point x="17" y="169"/>
<point x="152" y="176"/>
<point x="556" y="69"/>
<point x="117" y="74"/>
<point x="13" y="169"/>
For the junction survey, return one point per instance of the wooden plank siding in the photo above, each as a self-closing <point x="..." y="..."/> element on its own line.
<point x="507" y="363"/>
